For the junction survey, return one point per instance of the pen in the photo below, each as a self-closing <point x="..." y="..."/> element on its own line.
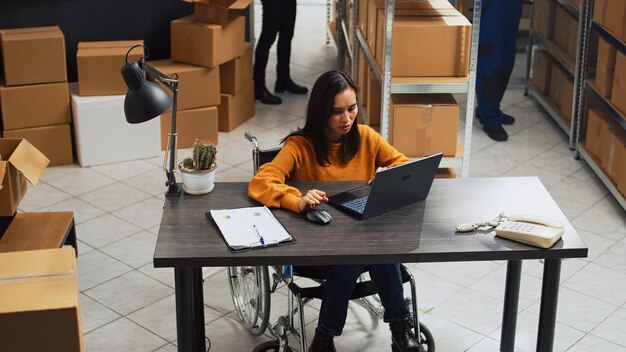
<point x="258" y="235"/>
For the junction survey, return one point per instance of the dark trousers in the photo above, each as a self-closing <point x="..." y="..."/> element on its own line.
<point x="279" y="16"/>
<point x="496" y="56"/>
<point x="338" y="287"/>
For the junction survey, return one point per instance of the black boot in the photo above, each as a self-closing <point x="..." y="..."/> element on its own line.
<point x="290" y="86"/>
<point x="402" y="337"/>
<point x="322" y="343"/>
<point x="264" y="96"/>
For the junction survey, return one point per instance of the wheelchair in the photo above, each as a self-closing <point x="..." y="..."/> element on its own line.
<point x="251" y="286"/>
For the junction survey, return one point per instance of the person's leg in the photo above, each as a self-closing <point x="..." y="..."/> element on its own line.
<point x="489" y="68"/>
<point x="269" y="30"/>
<point x="338" y="288"/>
<point x="283" y="50"/>
<point x="509" y="45"/>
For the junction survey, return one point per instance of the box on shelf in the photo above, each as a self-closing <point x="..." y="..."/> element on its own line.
<point x="613" y="139"/>
<point x="620" y="179"/>
<point x="33" y="55"/>
<point x="21" y="161"/>
<point x="597" y="122"/>
<point x="237" y="108"/>
<point x="568" y="98"/>
<point x="34" y="105"/>
<point x="618" y="92"/>
<point x="363" y="17"/>
<point x="446" y="172"/>
<point x="605" y="68"/>
<point x="198" y="86"/>
<point x="600" y="12"/>
<point x="55" y="142"/>
<point x="543" y="17"/>
<point x="198" y="123"/>
<point x="39" y="301"/>
<point x="372" y="110"/>
<point x="220" y="12"/>
<point x="614" y="20"/>
<point x="362" y="78"/>
<point x="122" y="141"/>
<point x="561" y="27"/>
<point x="424" y="124"/>
<point x="99" y="65"/>
<point x="572" y="39"/>
<point x="557" y="76"/>
<point x="235" y="74"/>
<point x="206" y="44"/>
<point x="541" y="72"/>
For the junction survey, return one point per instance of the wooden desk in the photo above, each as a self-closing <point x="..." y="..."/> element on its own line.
<point x="422" y="232"/>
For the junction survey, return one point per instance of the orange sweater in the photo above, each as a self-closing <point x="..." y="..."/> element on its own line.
<point x="297" y="162"/>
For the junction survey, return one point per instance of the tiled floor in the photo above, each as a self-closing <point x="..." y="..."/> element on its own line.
<point x="127" y="305"/>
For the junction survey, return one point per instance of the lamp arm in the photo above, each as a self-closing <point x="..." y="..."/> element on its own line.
<point x="169" y="82"/>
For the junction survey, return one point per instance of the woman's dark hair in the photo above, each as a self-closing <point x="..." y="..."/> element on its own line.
<point x="319" y="110"/>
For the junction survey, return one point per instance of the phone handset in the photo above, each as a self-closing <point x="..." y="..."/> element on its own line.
<point x="534" y="230"/>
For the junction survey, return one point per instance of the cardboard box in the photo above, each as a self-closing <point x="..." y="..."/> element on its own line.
<point x="99" y="65"/>
<point x="572" y="39"/>
<point x="363" y="19"/>
<point x="197" y="86"/>
<point x="33" y="55"/>
<point x="567" y="98"/>
<point x="446" y="37"/>
<point x="372" y="110"/>
<point x="55" y="142"/>
<point x="561" y="27"/>
<point x="619" y="166"/>
<point x="614" y="20"/>
<point x="121" y="142"/>
<point x="597" y="122"/>
<point x="612" y="137"/>
<point x="235" y="74"/>
<point x="618" y="92"/>
<point x="556" y="85"/>
<point x="543" y="18"/>
<point x="605" y="68"/>
<point x="446" y="172"/>
<point x="220" y="12"/>
<point x="424" y="124"/>
<point x="34" y="105"/>
<point x="236" y="109"/>
<point x="198" y="123"/>
<point x="21" y="161"/>
<point x="541" y="72"/>
<point x="39" y="301"/>
<point x="206" y="44"/>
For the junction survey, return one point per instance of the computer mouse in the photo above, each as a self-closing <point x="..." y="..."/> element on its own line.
<point x="319" y="216"/>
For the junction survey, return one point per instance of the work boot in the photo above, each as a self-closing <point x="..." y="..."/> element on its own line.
<point x="322" y="343"/>
<point x="402" y="337"/>
<point x="507" y="119"/>
<point x="496" y="132"/>
<point x="290" y="86"/>
<point x="265" y="97"/>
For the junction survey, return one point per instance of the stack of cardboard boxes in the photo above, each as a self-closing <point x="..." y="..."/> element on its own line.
<point x="214" y="39"/>
<point x="34" y="98"/>
<point x="431" y="42"/>
<point x="101" y="132"/>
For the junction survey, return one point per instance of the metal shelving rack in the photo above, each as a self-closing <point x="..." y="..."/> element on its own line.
<point x="397" y="85"/>
<point x="562" y="60"/>
<point x="587" y="88"/>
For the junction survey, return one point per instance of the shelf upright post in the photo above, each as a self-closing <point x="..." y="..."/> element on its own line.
<point x="385" y="90"/>
<point x="471" y="89"/>
<point x="354" y="28"/>
<point x="582" y="57"/>
<point x="529" y="49"/>
<point x="341" y="50"/>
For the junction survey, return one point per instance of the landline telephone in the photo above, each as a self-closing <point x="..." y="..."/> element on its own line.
<point x="531" y="229"/>
<point x="525" y="228"/>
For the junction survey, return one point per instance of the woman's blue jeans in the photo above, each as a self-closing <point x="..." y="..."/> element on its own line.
<point x="338" y="287"/>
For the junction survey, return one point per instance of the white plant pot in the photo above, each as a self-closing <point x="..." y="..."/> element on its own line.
<point x="198" y="182"/>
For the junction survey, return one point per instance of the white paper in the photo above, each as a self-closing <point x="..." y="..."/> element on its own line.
<point x="238" y="227"/>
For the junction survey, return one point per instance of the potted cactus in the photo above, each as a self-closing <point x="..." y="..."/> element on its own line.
<point x="198" y="171"/>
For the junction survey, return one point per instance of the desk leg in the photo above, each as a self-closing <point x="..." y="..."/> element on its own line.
<point x="549" y="300"/>
<point x="511" y="301"/>
<point x="189" y="309"/>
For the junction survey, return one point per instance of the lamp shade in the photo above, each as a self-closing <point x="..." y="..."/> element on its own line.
<point x="144" y="100"/>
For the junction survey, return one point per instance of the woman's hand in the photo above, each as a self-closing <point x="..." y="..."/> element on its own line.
<point x="312" y="199"/>
<point x="377" y="170"/>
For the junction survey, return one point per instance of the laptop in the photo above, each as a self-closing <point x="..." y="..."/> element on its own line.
<point x="392" y="188"/>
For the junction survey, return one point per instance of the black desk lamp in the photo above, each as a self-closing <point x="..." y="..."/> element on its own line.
<point x="146" y="100"/>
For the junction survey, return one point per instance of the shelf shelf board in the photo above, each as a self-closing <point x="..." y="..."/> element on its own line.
<point x="590" y="87"/>
<point x="557" y="53"/>
<point x="550" y="108"/>
<point x="608" y="36"/>
<point x="594" y="165"/>
<point x="569" y="7"/>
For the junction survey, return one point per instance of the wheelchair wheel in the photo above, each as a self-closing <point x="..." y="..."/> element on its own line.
<point x="271" y="346"/>
<point x="249" y="288"/>
<point x="426" y="339"/>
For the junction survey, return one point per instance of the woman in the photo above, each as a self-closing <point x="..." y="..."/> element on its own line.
<point x="333" y="146"/>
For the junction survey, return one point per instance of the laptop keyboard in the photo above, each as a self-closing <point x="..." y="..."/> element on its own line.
<point x="357" y="204"/>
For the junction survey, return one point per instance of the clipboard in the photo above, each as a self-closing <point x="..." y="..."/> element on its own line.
<point x="249" y="228"/>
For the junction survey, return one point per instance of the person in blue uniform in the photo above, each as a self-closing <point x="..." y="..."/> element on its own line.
<point x="496" y="56"/>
